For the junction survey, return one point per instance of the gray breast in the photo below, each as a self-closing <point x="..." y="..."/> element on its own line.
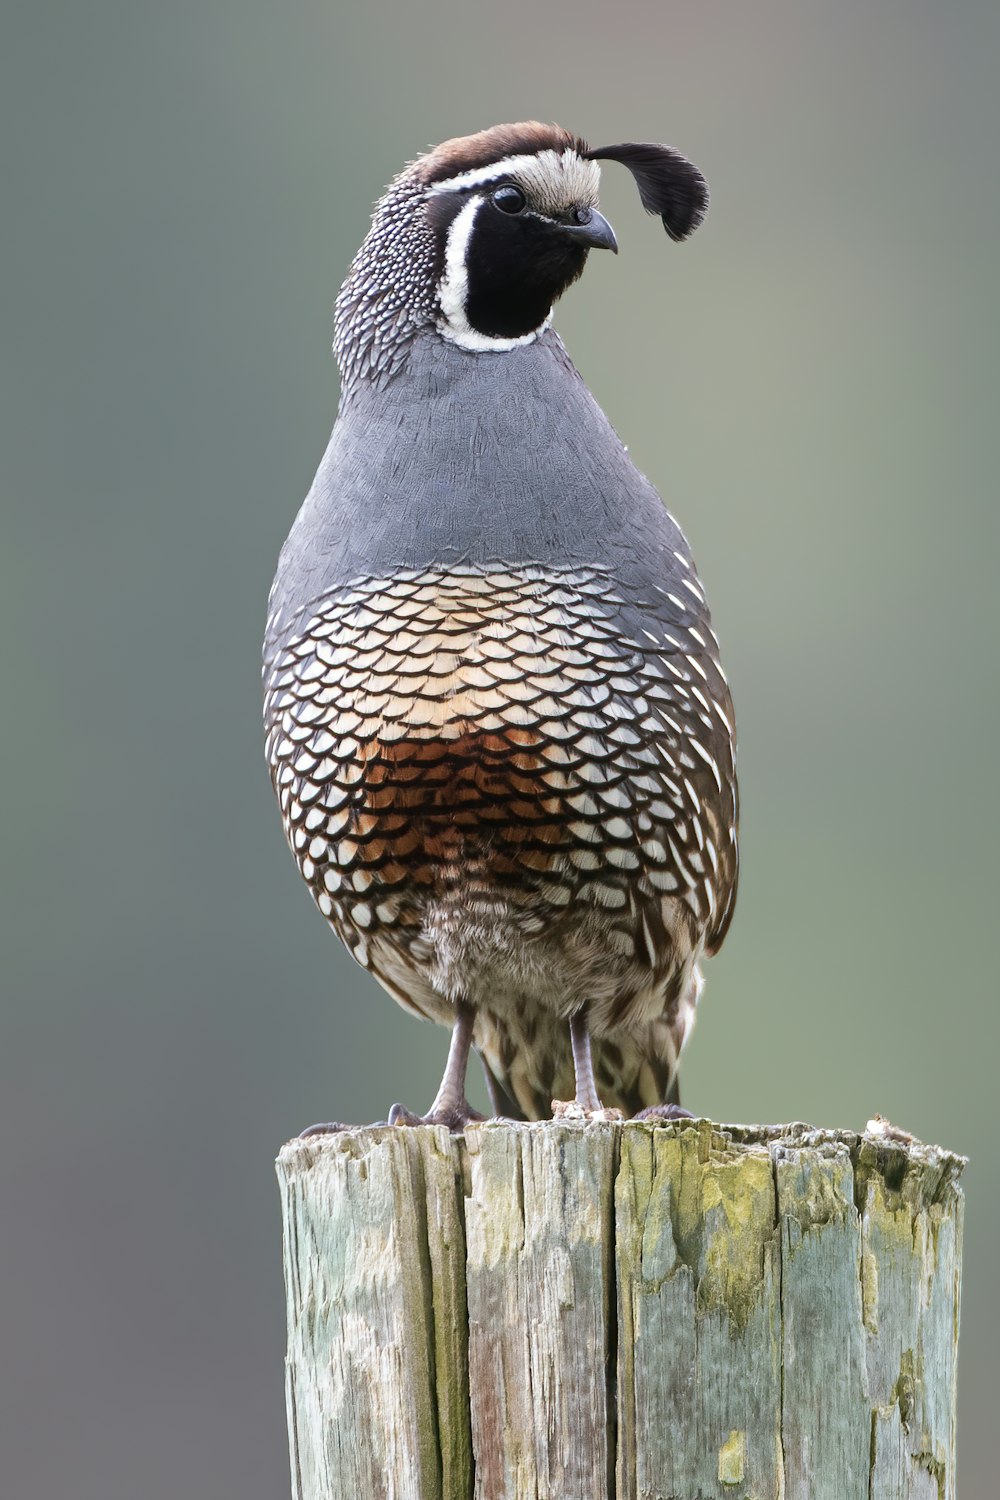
<point x="477" y="458"/>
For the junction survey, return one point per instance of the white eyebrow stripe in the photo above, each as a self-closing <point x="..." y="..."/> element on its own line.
<point x="509" y="167"/>
<point x="545" y="172"/>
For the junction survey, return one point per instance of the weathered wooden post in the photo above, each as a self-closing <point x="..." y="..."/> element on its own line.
<point x="595" y="1311"/>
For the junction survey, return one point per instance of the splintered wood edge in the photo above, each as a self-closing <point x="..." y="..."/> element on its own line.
<point x="880" y="1147"/>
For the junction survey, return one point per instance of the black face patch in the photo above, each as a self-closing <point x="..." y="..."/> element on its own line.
<point x="517" y="267"/>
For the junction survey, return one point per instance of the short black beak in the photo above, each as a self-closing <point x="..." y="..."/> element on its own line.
<point x="591" y="229"/>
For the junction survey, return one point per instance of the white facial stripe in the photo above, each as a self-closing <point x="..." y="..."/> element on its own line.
<point x="453" y="289"/>
<point x="511" y="166"/>
<point x="553" y="180"/>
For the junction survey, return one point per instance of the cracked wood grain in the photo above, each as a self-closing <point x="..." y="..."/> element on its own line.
<point x="376" y="1369"/>
<point x="539" y="1237"/>
<point x="596" y="1311"/>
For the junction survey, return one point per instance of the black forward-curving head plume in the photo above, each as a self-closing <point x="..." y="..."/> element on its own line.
<point x="668" y="184"/>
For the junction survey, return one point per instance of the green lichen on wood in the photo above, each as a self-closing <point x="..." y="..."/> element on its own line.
<point x="698" y="1290"/>
<point x="869" y="1291"/>
<point x="361" y="1335"/>
<point x="733" y="1458"/>
<point x="911" y="1217"/>
<point x="709" y="1205"/>
<point x="823" y="1351"/>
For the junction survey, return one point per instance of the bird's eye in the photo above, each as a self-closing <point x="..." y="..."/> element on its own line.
<point x="509" y="199"/>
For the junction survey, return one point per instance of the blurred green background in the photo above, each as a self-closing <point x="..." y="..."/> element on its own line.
<point x="811" y="382"/>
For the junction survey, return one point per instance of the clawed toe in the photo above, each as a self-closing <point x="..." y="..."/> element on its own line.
<point x="454" y="1117"/>
<point x="333" y="1127"/>
<point x="400" y="1115"/>
<point x="664" y="1112"/>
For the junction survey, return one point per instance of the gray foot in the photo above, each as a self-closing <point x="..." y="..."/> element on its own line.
<point x="455" y="1116"/>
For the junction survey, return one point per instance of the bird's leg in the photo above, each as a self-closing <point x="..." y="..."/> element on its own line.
<point x="583" y="1063"/>
<point x="587" y="1104"/>
<point x="450" y="1105"/>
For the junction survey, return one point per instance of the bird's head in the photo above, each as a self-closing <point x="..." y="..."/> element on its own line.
<point x="479" y="237"/>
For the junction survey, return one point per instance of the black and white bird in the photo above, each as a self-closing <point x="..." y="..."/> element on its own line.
<point x="496" y="721"/>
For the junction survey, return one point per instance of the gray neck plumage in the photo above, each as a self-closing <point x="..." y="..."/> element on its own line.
<point x="473" y="459"/>
<point x="390" y="292"/>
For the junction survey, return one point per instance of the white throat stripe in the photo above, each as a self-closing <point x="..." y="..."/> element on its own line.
<point x="453" y="289"/>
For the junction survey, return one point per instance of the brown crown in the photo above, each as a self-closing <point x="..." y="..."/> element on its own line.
<point x="468" y="152"/>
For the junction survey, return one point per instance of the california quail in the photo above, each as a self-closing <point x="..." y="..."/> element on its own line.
<point x="496" y="721"/>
